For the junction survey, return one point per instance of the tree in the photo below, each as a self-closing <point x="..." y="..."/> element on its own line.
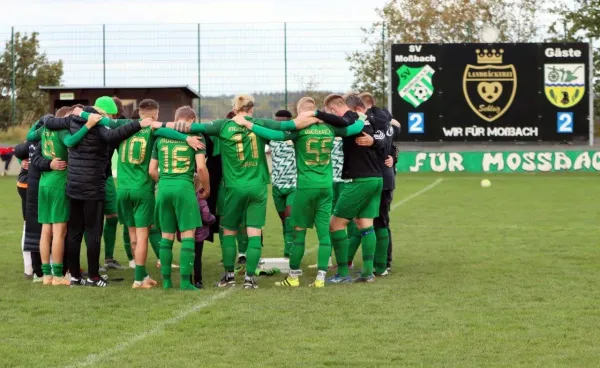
<point x="434" y="21"/>
<point x="578" y="21"/>
<point x="32" y="69"/>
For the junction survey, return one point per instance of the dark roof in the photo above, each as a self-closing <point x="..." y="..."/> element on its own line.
<point x="62" y="88"/>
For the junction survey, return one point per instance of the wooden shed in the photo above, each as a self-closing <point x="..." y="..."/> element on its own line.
<point x="168" y="97"/>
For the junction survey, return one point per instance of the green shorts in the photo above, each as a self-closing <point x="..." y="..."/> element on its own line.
<point x="283" y="198"/>
<point x="135" y="207"/>
<point x="337" y="190"/>
<point x="359" y="199"/>
<point x="53" y="206"/>
<point x="110" y="197"/>
<point x="249" y="203"/>
<point x="176" y="209"/>
<point x="312" y="206"/>
<point x="221" y="199"/>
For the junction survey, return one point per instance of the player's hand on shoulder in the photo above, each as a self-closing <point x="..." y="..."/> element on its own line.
<point x="241" y="121"/>
<point x="146" y="122"/>
<point x="389" y="161"/>
<point x="156" y="125"/>
<point x="195" y="142"/>
<point x="364" y="140"/>
<point x="94" y="119"/>
<point x="395" y="122"/>
<point x="205" y="194"/>
<point x="77" y="111"/>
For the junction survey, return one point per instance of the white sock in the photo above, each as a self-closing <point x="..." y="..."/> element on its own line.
<point x="230" y="274"/>
<point x="28" y="267"/>
<point x="294" y="274"/>
<point x="321" y="275"/>
<point x="242" y="255"/>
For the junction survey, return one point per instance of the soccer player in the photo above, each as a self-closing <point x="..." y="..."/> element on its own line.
<point x="283" y="180"/>
<point x="358" y="199"/>
<point x="176" y="202"/>
<point x="86" y="185"/>
<point x="312" y="204"/>
<point x="135" y="194"/>
<point x="53" y="203"/>
<point x="246" y="175"/>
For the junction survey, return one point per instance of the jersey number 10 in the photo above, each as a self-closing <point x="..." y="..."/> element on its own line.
<point x="128" y="151"/>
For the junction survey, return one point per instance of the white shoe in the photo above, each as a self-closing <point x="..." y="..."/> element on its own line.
<point x="132" y="263"/>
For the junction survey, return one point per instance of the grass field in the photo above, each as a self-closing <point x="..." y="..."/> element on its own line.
<point x="501" y="277"/>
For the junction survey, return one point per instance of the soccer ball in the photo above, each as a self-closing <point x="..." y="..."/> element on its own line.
<point x="421" y="93"/>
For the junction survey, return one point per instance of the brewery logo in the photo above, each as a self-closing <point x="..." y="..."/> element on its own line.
<point x="564" y="84"/>
<point x="490" y="87"/>
<point x="415" y="85"/>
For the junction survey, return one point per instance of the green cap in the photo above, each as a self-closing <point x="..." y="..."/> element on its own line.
<point x="107" y="104"/>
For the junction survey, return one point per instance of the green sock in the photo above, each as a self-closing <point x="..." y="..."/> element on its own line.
<point x="242" y="239"/>
<point x="228" y="252"/>
<point x="127" y="243"/>
<point x="383" y="242"/>
<point x="354" y="243"/>
<point x="110" y="236"/>
<point x="140" y="273"/>
<point x="57" y="269"/>
<point x="186" y="262"/>
<point x="253" y="255"/>
<point x="221" y="236"/>
<point x="166" y="258"/>
<point x="339" y="239"/>
<point x="288" y="236"/>
<point x="46" y="269"/>
<point x="154" y="240"/>
<point x="369" y="241"/>
<point x="324" y="253"/>
<point x="297" y="250"/>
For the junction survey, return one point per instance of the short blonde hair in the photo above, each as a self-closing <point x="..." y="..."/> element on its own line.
<point x="243" y="103"/>
<point x="367" y="98"/>
<point x="306" y="104"/>
<point x="185" y="113"/>
<point x="334" y="99"/>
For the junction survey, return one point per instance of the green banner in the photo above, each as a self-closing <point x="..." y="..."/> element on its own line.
<point x="510" y="161"/>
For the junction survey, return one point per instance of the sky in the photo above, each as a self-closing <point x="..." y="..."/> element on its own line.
<point x="243" y="42"/>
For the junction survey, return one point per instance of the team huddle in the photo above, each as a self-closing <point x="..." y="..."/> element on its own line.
<point x="332" y="170"/>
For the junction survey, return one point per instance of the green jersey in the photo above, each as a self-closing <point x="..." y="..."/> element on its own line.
<point x="313" y="147"/>
<point x="134" y="159"/>
<point x="176" y="161"/>
<point x="53" y="146"/>
<point x="242" y="153"/>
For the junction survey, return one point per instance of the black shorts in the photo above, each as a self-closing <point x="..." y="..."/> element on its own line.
<point x="383" y="221"/>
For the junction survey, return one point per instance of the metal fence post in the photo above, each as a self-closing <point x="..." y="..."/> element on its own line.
<point x="104" y="55"/>
<point x="285" y="62"/>
<point x="13" y="85"/>
<point x="383" y="68"/>
<point x="199" y="80"/>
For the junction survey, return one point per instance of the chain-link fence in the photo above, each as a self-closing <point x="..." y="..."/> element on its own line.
<point x="276" y="61"/>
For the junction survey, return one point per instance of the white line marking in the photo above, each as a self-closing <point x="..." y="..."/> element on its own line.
<point x="160" y="326"/>
<point x="416" y="194"/>
<point x="505" y="227"/>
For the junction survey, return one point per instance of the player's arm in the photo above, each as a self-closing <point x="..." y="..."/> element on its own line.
<point x="210" y="128"/>
<point x="123" y="132"/>
<point x="202" y="172"/>
<point x="153" y="168"/>
<point x="111" y="123"/>
<point x="54" y="123"/>
<point x="353" y="129"/>
<point x="71" y="140"/>
<point x="193" y="141"/>
<point x="35" y="133"/>
<point x="264" y="132"/>
<point x="397" y="130"/>
<point x="38" y="161"/>
<point x="332" y="119"/>
<point x="300" y="122"/>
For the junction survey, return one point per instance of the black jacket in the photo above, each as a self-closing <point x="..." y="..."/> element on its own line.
<point x="384" y="136"/>
<point x="37" y="164"/>
<point x="359" y="161"/>
<point x="22" y="153"/>
<point x="88" y="161"/>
